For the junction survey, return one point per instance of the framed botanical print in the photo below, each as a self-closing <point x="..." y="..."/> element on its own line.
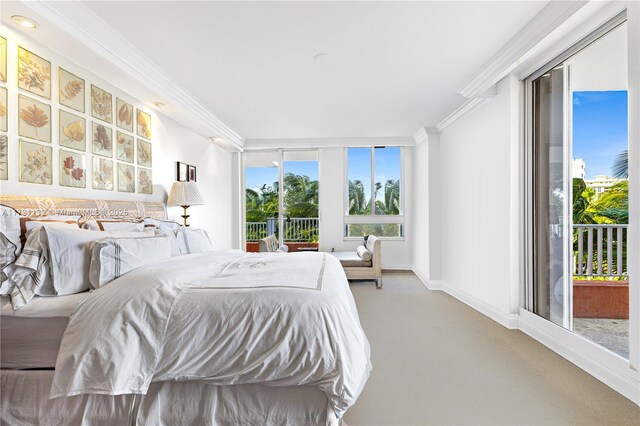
<point x="3" y="59"/>
<point x="4" y="109"/>
<point x="124" y="119"/>
<point x="124" y="143"/>
<point x="192" y="173"/>
<point x="145" y="181"/>
<point x="182" y="172"/>
<point x="4" y="159"/>
<point x="126" y="178"/>
<point x="34" y="73"/>
<point x="102" y="174"/>
<point x="72" y="131"/>
<point x="101" y="104"/>
<point x="144" y="153"/>
<point x="102" y="142"/>
<point x="35" y="163"/>
<point x="143" y="124"/>
<point x="34" y="119"/>
<point x="71" y="89"/>
<point x="72" y="170"/>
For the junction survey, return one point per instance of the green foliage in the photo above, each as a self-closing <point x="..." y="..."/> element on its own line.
<point x="612" y="206"/>
<point x="620" y="166"/>
<point x="379" y="230"/>
<point x="360" y="205"/>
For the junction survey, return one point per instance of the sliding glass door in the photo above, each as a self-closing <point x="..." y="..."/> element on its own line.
<point x="578" y="201"/>
<point x="281" y="198"/>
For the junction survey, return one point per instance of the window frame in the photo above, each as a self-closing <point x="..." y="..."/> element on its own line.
<point x="372" y="218"/>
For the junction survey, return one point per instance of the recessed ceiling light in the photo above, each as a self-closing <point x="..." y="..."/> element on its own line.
<point x="321" y="58"/>
<point x="158" y="105"/>
<point x="25" y="22"/>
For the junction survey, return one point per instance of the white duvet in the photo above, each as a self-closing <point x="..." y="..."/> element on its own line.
<point x="223" y="318"/>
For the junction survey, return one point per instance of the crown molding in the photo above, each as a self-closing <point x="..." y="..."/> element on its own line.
<point x="254" y="144"/>
<point x="464" y="110"/>
<point x="80" y="22"/>
<point x="510" y="56"/>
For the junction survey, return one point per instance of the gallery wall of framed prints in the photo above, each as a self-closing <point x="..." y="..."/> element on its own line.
<point x="67" y="129"/>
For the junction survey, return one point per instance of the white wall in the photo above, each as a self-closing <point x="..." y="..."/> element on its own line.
<point x="468" y="249"/>
<point x="395" y="254"/>
<point x="171" y="142"/>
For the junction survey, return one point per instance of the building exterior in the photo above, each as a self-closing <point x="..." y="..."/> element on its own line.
<point x="601" y="183"/>
<point x="579" y="169"/>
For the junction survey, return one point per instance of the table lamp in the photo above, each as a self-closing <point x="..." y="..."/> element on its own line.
<point x="184" y="194"/>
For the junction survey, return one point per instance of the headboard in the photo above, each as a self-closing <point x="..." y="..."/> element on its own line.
<point x="86" y="209"/>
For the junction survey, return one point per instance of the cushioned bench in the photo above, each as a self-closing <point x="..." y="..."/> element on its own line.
<point x="364" y="263"/>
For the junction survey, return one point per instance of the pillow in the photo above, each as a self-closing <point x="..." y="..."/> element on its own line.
<point x="70" y="257"/>
<point x="113" y="225"/>
<point x="166" y="224"/>
<point x="176" y="240"/>
<point x="363" y="253"/>
<point x="195" y="240"/>
<point x="113" y="257"/>
<point x="29" y="223"/>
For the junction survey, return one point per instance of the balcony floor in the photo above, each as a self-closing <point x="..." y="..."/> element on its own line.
<point x="613" y="334"/>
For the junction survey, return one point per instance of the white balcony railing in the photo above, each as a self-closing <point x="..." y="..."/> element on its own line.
<point x="600" y="250"/>
<point x="299" y="229"/>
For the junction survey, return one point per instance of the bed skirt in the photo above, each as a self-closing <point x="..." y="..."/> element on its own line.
<point x="24" y="401"/>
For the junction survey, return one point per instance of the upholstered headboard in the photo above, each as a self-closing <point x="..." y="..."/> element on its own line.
<point x="86" y="209"/>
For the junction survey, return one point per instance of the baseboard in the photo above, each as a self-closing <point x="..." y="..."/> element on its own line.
<point x="609" y="368"/>
<point x="429" y="284"/>
<point x="509" y="321"/>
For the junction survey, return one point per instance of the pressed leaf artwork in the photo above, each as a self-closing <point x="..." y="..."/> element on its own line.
<point x="34" y="73"/>
<point x="4" y="163"/>
<point x="72" y="169"/>
<point x="3" y="110"/>
<point x="101" y="104"/>
<point x="35" y="163"/>
<point x="126" y="178"/>
<point x="143" y="121"/>
<point x="102" y="174"/>
<point x="125" y="147"/>
<point x="124" y="119"/>
<point x="102" y="143"/>
<point x="34" y="119"/>
<point x="145" y="181"/>
<point x="3" y="59"/>
<point x="144" y="153"/>
<point x="71" y="89"/>
<point x="72" y="132"/>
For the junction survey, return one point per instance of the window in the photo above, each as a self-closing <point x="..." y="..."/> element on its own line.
<point x="374" y="192"/>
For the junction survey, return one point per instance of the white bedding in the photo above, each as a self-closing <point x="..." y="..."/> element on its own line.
<point x="173" y="320"/>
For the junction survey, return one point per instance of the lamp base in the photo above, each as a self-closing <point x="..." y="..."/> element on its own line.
<point x="185" y="216"/>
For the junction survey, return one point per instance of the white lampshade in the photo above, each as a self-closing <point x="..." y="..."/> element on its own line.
<point x="184" y="194"/>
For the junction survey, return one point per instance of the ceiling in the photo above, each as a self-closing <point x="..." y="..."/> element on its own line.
<point x="393" y="66"/>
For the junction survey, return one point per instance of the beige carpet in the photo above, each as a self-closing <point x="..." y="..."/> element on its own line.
<point x="438" y="362"/>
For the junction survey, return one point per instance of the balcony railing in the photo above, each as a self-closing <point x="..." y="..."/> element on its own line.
<point x="600" y="250"/>
<point x="300" y="229"/>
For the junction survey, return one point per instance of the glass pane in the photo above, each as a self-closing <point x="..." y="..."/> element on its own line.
<point x="387" y="180"/>
<point x="599" y="102"/>
<point x="300" y="202"/>
<point x="379" y="229"/>
<point x="359" y="168"/>
<point x="551" y="280"/>
<point x="261" y="197"/>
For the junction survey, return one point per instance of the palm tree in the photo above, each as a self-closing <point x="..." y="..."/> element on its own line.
<point x="621" y="165"/>
<point x="358" y="203"/>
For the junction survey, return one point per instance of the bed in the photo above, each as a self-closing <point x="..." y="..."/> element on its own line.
<point x="221" y="337"/>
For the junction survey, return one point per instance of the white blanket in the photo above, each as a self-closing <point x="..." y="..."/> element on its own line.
<point x="170" y="320"/>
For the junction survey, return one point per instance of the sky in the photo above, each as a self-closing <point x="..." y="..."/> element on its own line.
<point x="599" y="129"/>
